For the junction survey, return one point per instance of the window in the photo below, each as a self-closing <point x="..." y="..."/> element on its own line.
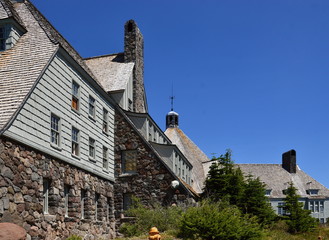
<point x="55" y="136"/>
<point x="127" y="201"/>
<point x="105" y="157"/>
<point x="2" y="39"/>
<point x="322" y="220"/>
<point x="75" y="141"/>
<point x="91" y="148"/>
<point x="66" y="199"/>
<point x="97" y="196"/>
<point x="268" y="192"/>
<point x="91" y="106"/>
<point x="45" y="195"/>
<point x="313" y="191"/>
<point x="129" y="161"/>
<point x="311" y="206"/>
<point x="105" y="121"/>
<point x="83" y="200"/>
<point x="316" y="206"/>
<point x="321" y="206"/>
<point x="281" y="210"/>
<point x="75" y="96"/>
<point x="108" y="209"/>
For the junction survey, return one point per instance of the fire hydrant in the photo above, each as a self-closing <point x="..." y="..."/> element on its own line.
<point x="154" y="234"/>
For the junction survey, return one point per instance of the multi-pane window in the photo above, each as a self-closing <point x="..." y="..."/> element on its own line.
<point x="321" y="206"/>
<point x="129" y="161"/>
<point x="316" y="206"/>
<point x="127" y="201"/>
<point x="55" y="136"/>
<point x="45" y="195"/>
<point x="75" y="96"/>
<point x="66" y="199"/>
<point x="92" y="148"/>
<point x="2" y="39"/>
<point x="105" y="121"/>
<point x="105" y="157"/>
<point x="75" y="141"/>
<point x="91" y="106"/>
<point x="281" y="210"/>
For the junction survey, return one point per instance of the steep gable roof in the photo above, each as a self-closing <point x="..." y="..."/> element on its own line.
<point x="21" y="65"/>
<point x="111" y="71"/>
<point x="192" y="152"/>
<point x="7" y="10"/>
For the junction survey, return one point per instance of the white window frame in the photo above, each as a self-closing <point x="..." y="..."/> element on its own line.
<point x="105" y="121"/>
<point x="91" y="106"/>
<point x="46" y="186"/>
<point x="92" y="148"/>
<point x="75" y="95"/>
<point x="55" y="130"/>
<point x="75" y="140"/>
<point x="66" y="199"/>
<point x="105" y="158"/>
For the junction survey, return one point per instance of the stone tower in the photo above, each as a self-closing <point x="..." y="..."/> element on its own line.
<point x="134" y="52"/>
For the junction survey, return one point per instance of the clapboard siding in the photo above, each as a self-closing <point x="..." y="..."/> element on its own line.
<point x="52" y="95"/>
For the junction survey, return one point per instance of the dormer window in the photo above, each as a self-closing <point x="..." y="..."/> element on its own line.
<point x="268" y="192"/>
<point x="313" y="192"/>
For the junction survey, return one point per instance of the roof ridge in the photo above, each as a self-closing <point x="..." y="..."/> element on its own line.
<point x="105" y="55"/>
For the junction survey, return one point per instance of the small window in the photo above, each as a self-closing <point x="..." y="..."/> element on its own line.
<point x="66" y="199"/>
<point x="83" y="202"/>
<point x="311" y="206"/>
<point x="268" y="192"/>
<point x="313" y="192"/>
<point x="108" y="210"/>
<point x="75" y="141"/>
<point x="322" y="220"/>
<point x="55" y="136"/>
<point x="92" y="148"/>
<point x="127" y="201"/>
<point x="321" y="206"/>
<point x="75" y="96"/>
<point x="281" y="210"/>
<point x="91" y="106"/>
<point x="105" y="121"/>
<point x="2" y="39"/>
<point x="46" y="186"/>
<point x="97" y="197"/>
<point x="129" y="161"/>
<point x="105" y="158"/>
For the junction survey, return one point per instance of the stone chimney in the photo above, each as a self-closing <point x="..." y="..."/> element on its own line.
<point x="289" y="161"/>
<point x="134" y="52"/>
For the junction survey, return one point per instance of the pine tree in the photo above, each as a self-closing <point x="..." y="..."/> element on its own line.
<point x="298" y="218"/>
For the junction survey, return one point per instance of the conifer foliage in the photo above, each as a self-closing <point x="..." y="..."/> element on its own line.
<point x="298" y="218"/>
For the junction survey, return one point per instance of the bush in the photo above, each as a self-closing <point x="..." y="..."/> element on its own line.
<point x="74" y="237"/>
<point x="217" y="221"/>
<point x="164" y="218"/>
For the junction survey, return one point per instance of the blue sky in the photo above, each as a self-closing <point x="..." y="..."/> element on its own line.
<point x="251" y="76"/>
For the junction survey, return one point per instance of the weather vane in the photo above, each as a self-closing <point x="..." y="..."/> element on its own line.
<point x="172" y="97"/>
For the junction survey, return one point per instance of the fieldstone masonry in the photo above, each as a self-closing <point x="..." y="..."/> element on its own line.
<point x="152" y="180"/>
<point x="23" y="171"/>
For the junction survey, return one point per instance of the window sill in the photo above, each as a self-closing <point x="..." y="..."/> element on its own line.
<point x="127" y="175"/>
<point x="56" y="147"/>
<point x="92" y="117"/>
<point x="75" y="110"/>
<point x="106" y="133"/>
<point x="76" y="156"/>
<point x="106" y="170"/>
<point x="92" y="159"/>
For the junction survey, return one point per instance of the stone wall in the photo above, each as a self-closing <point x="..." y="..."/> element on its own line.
<point x="152" y="180"/>
<point x="23" y="172"/>
<point x="134" y="52"/>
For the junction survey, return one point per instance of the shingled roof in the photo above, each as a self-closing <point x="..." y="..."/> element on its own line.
<point x="192" y="152"/>
<point x="22" y="65"/>
<point x="277" y="179"/>
<point x="111" y="71"/>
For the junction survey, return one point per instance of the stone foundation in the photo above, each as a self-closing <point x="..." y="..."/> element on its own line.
<point x="24" y="172"/>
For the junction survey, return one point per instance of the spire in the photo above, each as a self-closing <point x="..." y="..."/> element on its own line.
<point x="172" y="117"/>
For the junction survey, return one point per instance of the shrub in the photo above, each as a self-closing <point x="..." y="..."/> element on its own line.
<point x="217" y="221"/>
<point x="164" y="218"/>
<point x="74" y="237"/>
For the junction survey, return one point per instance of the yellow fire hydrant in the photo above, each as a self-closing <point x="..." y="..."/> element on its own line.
<point x="154" y="234"/>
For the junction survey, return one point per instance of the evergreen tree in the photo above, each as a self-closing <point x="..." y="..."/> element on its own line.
<point x="255" y="202"/>
<point x="298" y="218"/>
<point x="224" y="181"/>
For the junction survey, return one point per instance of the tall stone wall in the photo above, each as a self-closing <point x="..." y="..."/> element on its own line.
<point x="134" y="52"/>
<point x="152" y="180"/>
<point x="23" y="171"/>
